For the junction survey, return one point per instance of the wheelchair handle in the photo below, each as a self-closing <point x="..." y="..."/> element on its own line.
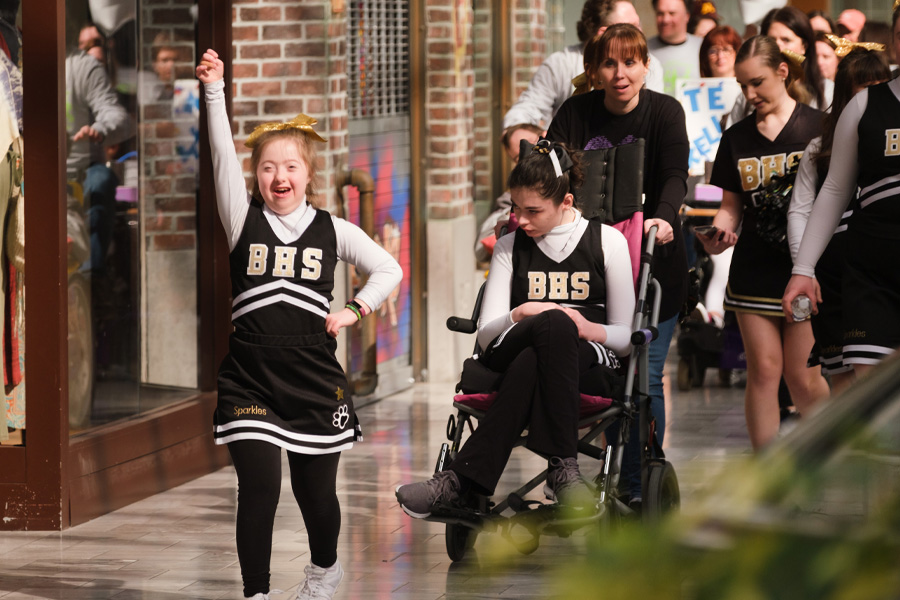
<point x="461" y="325"/>
<point x="642" y="337"/>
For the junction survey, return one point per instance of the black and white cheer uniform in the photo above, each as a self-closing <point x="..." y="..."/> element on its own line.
<point x="281" y="382"/>
<point x="544" y="361"/>
<point x="827" y="324"/>
<point x="869" y="133"/>
<point x="744" y="165"/>
<point x="568" y="251"/>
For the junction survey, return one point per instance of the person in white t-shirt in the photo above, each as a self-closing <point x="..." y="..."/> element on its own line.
<point x="677" y="50"/>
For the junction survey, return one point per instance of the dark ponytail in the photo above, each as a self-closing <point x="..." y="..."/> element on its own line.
<point x="535" y="171"/>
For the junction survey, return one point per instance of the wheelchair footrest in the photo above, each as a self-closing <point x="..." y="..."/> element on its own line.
<point x="537" y="517"/>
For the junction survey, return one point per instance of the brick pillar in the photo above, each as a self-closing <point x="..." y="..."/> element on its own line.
<point x="449" y="178"/>
<point x="290" y="57"/>
<point x="529" y="43"/>
<point x="485" y="138"/>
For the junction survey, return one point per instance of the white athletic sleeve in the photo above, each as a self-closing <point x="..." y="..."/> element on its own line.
<point x="496" y="316"/>
<point x="358" y="249"/>
<point x="231" y="191"/>
<point x="619" y="291"/>
<point x="837" y="190"/>
<point x="802" y="198"/>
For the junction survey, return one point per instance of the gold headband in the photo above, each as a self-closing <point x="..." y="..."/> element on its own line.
<point x="842" y="46"/>
<point x="302" y="122"/>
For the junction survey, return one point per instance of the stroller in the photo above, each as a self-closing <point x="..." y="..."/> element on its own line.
<point x="611" y="192"/>
<point x="702" y="343"/>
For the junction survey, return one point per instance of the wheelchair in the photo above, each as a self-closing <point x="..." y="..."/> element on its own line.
<point x="612" y="192"/>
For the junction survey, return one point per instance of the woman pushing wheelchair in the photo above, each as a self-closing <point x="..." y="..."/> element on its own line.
<point x="556" y="315"/>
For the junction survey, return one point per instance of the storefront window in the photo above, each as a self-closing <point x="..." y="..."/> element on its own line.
<point x="132" y="111"/>
<point x="12" y="321"/>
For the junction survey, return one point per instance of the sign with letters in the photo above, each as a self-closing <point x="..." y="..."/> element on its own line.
<point x="705" y="102"/>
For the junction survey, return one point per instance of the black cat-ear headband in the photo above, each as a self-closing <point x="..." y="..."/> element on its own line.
<point x="558" y="155"/>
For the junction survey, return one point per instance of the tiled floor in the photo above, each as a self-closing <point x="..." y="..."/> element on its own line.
<point x="180" y="544"/>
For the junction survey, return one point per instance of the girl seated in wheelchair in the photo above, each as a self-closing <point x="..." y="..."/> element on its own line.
<point x="556" y="315"/>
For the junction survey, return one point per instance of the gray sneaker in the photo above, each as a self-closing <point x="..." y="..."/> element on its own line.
<point x="419" y="499"/>
<point x="566" y="485"/>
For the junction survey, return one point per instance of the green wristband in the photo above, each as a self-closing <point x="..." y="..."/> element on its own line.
<point x="353" y="306"/>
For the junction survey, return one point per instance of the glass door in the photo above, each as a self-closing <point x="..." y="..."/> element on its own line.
<point x="132" y="120"/>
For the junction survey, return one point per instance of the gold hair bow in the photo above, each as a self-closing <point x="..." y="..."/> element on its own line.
<point x="302" y="122"/>
<point x="795" y="59"/>
<point x="896" y="5"/>
<point x="708" y="8"/>
<point x="842" y="46"/>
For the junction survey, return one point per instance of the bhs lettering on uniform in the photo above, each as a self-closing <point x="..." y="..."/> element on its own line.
<point x="758" y="172"/>
<point x="560" y="285"/>
<point x="892" y="142"/>
<point x="284" y="260"/>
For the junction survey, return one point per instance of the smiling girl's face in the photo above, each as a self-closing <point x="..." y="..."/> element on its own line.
<point x="282" y="175"/>
<point x="538" y="215"/>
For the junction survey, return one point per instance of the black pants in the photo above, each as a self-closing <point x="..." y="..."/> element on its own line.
<point x="258" y="467"/>
<point x="545" y="365"/>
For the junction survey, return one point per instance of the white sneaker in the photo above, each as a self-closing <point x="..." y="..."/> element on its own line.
<point x="261" y="596"/>
<point x="320" y="583"/>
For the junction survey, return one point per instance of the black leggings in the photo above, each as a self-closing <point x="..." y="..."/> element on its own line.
<point x="545" y="365"/>
<point x="258" y="467"/>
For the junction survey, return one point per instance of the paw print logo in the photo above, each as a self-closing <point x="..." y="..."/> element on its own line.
<point x="341" y="416"/>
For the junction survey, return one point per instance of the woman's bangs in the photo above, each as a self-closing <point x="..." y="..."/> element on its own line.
<point x="624" y="47"/>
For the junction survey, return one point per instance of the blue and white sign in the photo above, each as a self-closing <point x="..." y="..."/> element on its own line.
<point x="705" y="102"/>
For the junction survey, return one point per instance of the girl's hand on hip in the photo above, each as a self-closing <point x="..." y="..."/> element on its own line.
<point x="334" y="322"/>
<point x="210" y="68"/>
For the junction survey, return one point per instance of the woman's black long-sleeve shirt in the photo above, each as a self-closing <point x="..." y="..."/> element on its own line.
<point x="584" y="122"/>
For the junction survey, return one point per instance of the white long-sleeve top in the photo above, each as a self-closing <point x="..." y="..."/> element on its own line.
<point x="558" y="244"/>
<point x="803" y="196"/>
<point x="839" y="186"/>
<point x="233" y="200"/>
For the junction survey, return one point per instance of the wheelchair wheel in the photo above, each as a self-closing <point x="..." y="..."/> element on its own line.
<point x="662" y="495"/>
<point x="459" y="539"/>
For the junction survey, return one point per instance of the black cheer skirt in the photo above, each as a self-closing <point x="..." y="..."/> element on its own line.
<point x="286" y="390"/>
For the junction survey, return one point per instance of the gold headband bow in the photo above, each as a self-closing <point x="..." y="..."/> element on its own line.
<point x="842" y="46"/>
<point x="302" y="122"/>
<point x="795" y="59"/>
